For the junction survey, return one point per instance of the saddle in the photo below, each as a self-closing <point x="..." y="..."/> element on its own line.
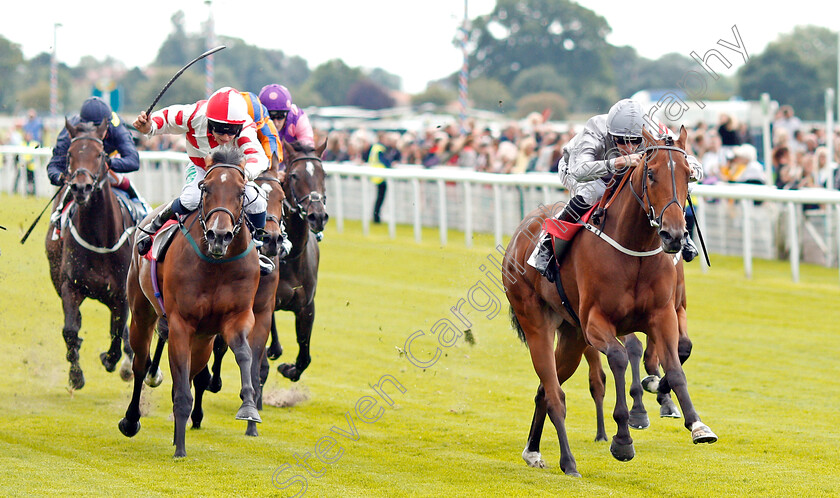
<point x="161" y="241"/>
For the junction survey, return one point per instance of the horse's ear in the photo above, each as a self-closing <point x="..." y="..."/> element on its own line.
<point x="649" y="138"/>
<point x="275" y="162"/>
<point x="288" y="151"/>
<point x="69" y="127"/>
<point x="320" y="150"/>
<point x="683" y="136"/>
<point x="102" y="128"/>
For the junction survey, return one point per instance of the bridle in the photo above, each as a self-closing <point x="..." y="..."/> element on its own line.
<point x="103" y="165"/>
<point x="203" y="217"/>
<point x="644" y="200"/>
<point x="312" y="196"/>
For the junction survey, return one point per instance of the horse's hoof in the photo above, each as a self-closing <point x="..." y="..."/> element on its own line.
<point x="77" y="378"/>
<point x="249" y="413"/>
<point x="274" y="351"/>
<point x="572" y="473"/>
<point x="289" y="371"/>
<point x="215" y="384"/>
<point x="251" y="430"/>
<point x="651" y="384"/>
<point x="533" y="459"/>
<point x="109" y="364"/>
<point x="196" y="420"/>
<point x="128" y="428"/>
<point x="154" y="380"/>
<point x="669" y="410"/>
<point x="700" y="433"/>
<point x="180" y="453"/>
<point x="639" y="421"/>
<point x="126" y="373"/>
<point x="601" y="437"/>
<point x="622" y="452"/>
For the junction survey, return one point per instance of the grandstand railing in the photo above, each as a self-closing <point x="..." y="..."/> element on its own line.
<point x="751" y="220"/>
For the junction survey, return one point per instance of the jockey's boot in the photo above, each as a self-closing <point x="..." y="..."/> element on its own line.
<point x="689" y="250"/>
<point x="576" y="208"/>
<point x="144" y="239"/>
<point x="257" y="220"/>
<point x="542" y="258"/>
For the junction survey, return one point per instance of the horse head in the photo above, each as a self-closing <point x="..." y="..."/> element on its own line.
<point x="222" y="206"/>
<point x="305" y="185"/>
<point x="87" y="166"/>
<point x="270" y="181"/>
<point x="664" y="184"/>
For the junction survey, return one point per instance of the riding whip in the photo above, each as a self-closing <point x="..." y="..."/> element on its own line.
<point x="205" y="54"/>
<point x="699" y="233"/>
<point x="26" y="235"/>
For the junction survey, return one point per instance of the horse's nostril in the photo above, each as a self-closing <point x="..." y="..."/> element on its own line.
<point x="228" y="238"/>
<point x="210" y="236"/>
<point x="665" y="235"/>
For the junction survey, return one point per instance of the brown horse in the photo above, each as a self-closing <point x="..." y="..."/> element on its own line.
<point x="210" y="379"/>
<point x="93" y="261"/>
<point x="207" y="289"/>
<point x="612" y="292"/>
<point x="305" y="216"/>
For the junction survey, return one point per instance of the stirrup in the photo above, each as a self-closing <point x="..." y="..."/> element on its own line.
<point x="689" y="250"/>
<point x="266" y="265"/>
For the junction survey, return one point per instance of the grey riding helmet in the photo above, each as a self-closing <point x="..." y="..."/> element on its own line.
<point x="625" y="120"/>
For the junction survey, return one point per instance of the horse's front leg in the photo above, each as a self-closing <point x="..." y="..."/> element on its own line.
<point x="180" y="364"/>
<point x="304" y="319"/>
<point x="600" y="333"/>
<point x="71" y="299"/>
<point x="119" y="322"/>
<point x="664" y="327"/>
<point x="140" y="335"/>
<point x="220" y="347"/>
<point x="638" y="415"/>
<point x="597" y="389"/>
<point x="275" y="350"/>
<point x="236" y="336"/>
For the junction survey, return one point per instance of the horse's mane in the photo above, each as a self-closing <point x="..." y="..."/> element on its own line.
<point x="228" y="154"/>
<point x="303" y="147"/>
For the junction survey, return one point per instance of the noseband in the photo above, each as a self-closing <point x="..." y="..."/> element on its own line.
<point x="644" y="199"/>
<point x="98" y="184"/>
<point x="202" y="216"/>
<point x="312" y="196"/>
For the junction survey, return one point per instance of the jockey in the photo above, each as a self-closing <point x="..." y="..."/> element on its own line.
<point x="118" y="144"/>
<point x="291" y="122"/>
<point x="608" y="143"/>
<point x="266" y="130"/>
<point x="208" y="125"/>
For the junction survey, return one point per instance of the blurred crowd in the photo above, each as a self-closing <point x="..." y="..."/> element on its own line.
<point x="729" y="150"/>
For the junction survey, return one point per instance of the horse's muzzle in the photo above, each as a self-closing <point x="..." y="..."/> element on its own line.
<point x="672" y="242"/>
<point x="218" y="241"/>
<point x="271" y="244"/>
<point x="317" y="221"/>
<point x="81" y="191"/>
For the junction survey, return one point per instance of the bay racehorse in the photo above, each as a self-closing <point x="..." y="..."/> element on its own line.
<point x="305" y="216"/>
<point x="206" y="282"/>
<point x="89" y="248"/>
<point x="609" y="293"/>
<point x="270" y="181"/>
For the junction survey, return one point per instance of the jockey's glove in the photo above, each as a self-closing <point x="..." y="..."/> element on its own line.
<point x="696" y="168"/>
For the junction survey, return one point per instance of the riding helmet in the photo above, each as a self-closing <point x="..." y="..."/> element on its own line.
<point x="276" y="97"/>
<point x="94" y="110"/>
<point x="227" y="105"/>
<point x="626" y="119"/>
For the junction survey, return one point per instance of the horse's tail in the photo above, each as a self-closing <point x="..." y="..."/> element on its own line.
<point x="514" y="322"/>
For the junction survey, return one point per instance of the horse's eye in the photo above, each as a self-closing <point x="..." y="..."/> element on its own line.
<point x="650" y="175"/>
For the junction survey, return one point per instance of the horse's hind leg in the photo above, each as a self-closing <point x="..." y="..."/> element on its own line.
<point x="220" y="347"/>
<point x="597" y="389"/>
<point x="638" y="415"/>
<point x="531" y="453"/>
<point x="140" y="337"/>
<point x="154" y="376"/>
<point x="125" y="368"/>
<point x="71" y="300"/>
<point x="304" y="319"/>
<point x="275" y="350"/>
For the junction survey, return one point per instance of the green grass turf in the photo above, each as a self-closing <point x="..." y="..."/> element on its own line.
<point x="763" y="375"/>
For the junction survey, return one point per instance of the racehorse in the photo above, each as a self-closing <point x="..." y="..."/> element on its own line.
<point x="611" y="290"/>
<point x="93" y="262"/>
<point x="205" y="290"/>
<point x="305" y="216"/>
<point x="210" y="379"/>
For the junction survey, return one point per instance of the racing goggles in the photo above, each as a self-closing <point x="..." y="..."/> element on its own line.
<point x="220" y="128"/>
<point x="627" y="140"/>
<point x="278" y="115"/>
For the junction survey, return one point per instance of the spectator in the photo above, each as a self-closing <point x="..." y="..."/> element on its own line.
<point x="337" y="148"/>
<point x="34" y="126"/>
<point x="743" y="167"/>
<point x="781" y="161"/>
<point x="730" y="136"/>
<point x="383" y="154"/>
<point x="468" y="156"/>
<point x="786" y="120"/>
